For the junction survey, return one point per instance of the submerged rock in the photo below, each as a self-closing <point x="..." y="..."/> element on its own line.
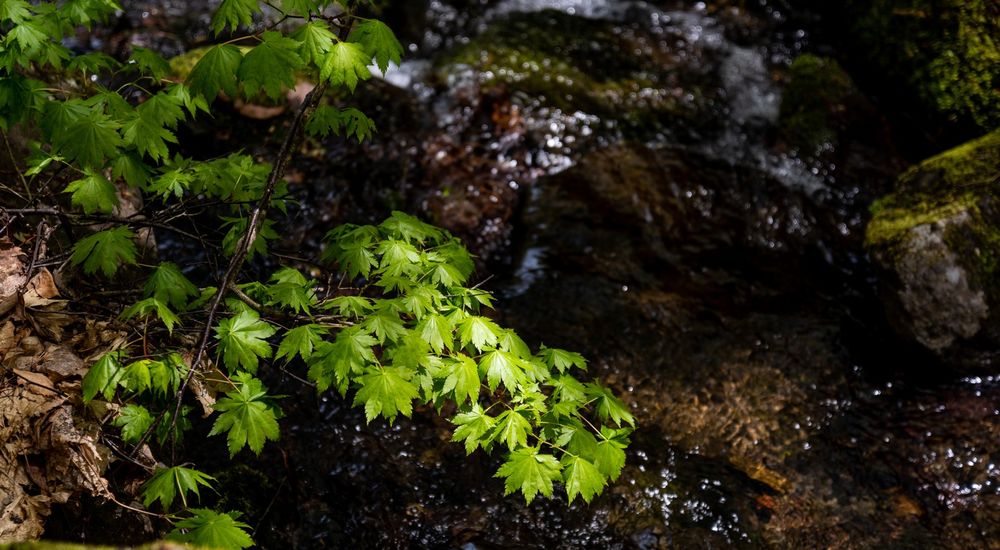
<point x="936" y="241"/>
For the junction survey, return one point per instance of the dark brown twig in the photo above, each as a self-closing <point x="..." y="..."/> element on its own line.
<point x="257" y="217"/>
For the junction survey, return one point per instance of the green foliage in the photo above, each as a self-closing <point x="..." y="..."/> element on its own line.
<point x="426" y="339"/>
<point x="531" y="472"/>
<point x="93" y="193"/>
<point x="168" y="483"/>
<point x="105" y="250"/>
<point x="102" y="378"/>
<point x="168" y="285"/>
<point x="212" y="530"/>
<point x="134" y="420"/>
<point x="247" y="416"/>
<point x="243" y="339"/>
<point x="271" y="65"/>
<point x="315" y="40"/>
<point x="348" y="122"/>
<point x="156" y="306"/>
<point x="234" y="13"/>
<point x="378" y="41"/>
<point x="216" y="71"/>
<point x="401" y="331"/>
<point x="345" y="64"/>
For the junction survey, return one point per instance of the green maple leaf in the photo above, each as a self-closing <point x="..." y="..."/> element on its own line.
<point x="172" y="182"/>
<point x="93" y="62"/>
<point x="20" y="98"/>
<point x="234" y="13"/>
<point x="481" y="332"/>
<point x="463" y="378"/>
<point x="512" y="428"/>
<point x="167" y="483"/>
<point x="58" y="115"/>
<point x="299" y="7"/>
<point x="247" y="416"/>
<point x="183" y="95"/>
<point x="609" y="457"/>
<point x="300" y="341"/>
<point x="162" y="109"/>
<point x="89" y="140"/>
<point x="473" y="427"/>
<point x="421" y="300"/>
<point x="567" y="388"/>
<point x="437" y="330"/>
<point x="355" y="260"/>
<point x="561" y="360"/>
<point x="387" y="391"/>
<point x="149" y="63"/>
<point x="508" y="340"/>
<point x="378" y="41"/>
<point x="404" y="226"/>
<point x="345" y="64"/>
<point x="397" y="252"/>
<point x="148" y="136"/>
<point x="243" y="339"/>
<point x="324" y="121"/>
<point x="215" y="71"/>
<point x="212" y="530"/>
<point x="270" y="66"/>
<point x="238" y="228"/>
<point x="502" y="367"/>
<point x="357" y="124"/>
<point x="581" y="478"/>
<point x="29" y="35"/>
<point x="15" y="11"/>
<point x="350" y="353"/>
<point x="447" y="275"/>
<point x="93" y="193"/>
<point x="134" y="420"/>
<point x="350" y="306"/>
<point x="315" y="41"/>
<point x="85" y="12"/>
<point x="530" y="472"/>
<point x="136" y="377"/>
<point x="292" y="296"/>
<point x="385" y="324"/>
<point x="102" y="378"/>
<point x="104" y="250"/>
<point x="165" y="376"/>
<point x="152" y="305"/>
<point x="608" y="406"/>
<point x="129" y="166"/>
<point x="170" y="286"/>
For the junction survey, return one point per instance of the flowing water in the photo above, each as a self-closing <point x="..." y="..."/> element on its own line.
<point x="621" y="166"/>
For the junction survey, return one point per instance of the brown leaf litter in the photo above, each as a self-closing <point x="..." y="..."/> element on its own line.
<point x="49" y="451"/>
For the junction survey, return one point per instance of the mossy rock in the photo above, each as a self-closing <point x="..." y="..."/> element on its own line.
<point x="613" y="70"/>
<point x="814" y="101"/>
<point x="947" y="51"/>
<point x="936" y="242"/>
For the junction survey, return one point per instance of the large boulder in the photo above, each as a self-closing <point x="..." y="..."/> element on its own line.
<point x="936" y="242"/>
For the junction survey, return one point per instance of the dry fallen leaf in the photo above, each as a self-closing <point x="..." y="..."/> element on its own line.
<point x="11" y="277"/>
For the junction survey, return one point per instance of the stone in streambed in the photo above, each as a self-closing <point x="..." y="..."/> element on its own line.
<point x="936" y="242"/>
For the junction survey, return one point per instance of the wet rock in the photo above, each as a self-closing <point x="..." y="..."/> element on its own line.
<point x="644" y="215"/>
<point x="936" y="240"/>
<point x="617" y="70"/>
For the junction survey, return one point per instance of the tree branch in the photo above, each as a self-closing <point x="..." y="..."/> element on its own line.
<point x="257" y="217"/>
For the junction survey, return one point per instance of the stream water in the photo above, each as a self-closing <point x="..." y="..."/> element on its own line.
<point x="652" y="217"/>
